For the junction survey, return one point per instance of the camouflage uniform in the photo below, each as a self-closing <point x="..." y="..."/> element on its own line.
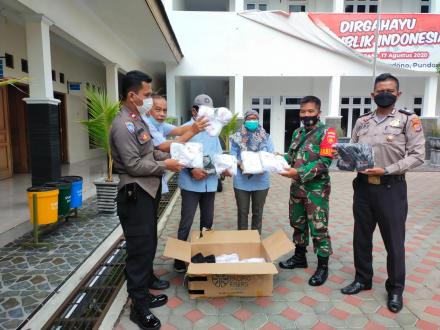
<point x="310" y="191"/>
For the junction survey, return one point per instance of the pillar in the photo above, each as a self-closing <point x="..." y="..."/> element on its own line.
<point x="338" y="6"/>
<point x="236" y="95"/>
<point x="333" y="119"/>
<point x="111" y="81"/>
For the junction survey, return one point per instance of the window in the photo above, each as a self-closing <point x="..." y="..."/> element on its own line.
<point x="263" y="106"/>
<point x="256" y="5"/>
<point x="54" y="75"/>
<point x="9" y="60"/>
<point x="425" y="6"/>
<point x="418" y="105"/>
<point x="24" y="65"/>
<point x="62" y="78"/>
<point x="361" y="6"/>
<point x="352" y="108"/>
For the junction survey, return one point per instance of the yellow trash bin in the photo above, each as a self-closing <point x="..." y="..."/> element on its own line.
<point x="47" y="204"/>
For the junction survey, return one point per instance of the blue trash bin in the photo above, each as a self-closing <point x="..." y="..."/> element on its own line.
<point x="77" y="184"/>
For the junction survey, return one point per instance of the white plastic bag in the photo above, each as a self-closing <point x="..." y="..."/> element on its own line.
<point x="227" y="258"/>
<point x="251" y="162"/>
<point x="273" y="163"/>
<point x="217" y="118"/>
<point x="223" y="162"/>
<point x="189" y="154"/>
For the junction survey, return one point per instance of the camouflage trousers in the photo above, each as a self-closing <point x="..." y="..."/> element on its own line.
<point x="310" y="214"/>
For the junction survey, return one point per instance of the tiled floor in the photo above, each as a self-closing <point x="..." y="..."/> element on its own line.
<point x="294" y="303"/>
<point x="28" y="276"/>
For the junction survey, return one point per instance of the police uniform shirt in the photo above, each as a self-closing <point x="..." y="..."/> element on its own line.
<point x="398" y="140"/>
<point x="134" y="156"/>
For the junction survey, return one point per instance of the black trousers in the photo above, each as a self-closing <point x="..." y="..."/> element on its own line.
<point x="190" y="201"/>
<point x="386" y="205"/>
<point x="243" y="199"/>
<point x="138" y="217"/>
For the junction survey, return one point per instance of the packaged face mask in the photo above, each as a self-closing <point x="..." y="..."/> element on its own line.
<point x="273" y="163"/>
<point x="354" y="156"/>
<point x="223" y="162"/>
<point x="217" y="118"/>
<point x="251" y="162"/>
<point x="189" y="154"/>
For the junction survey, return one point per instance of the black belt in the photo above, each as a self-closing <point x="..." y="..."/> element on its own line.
<point x="384" y="179"/>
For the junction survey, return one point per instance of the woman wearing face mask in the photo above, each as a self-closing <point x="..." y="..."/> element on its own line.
<point x="250" y="137"/>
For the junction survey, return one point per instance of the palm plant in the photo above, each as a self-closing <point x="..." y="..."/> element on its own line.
<point x="101" y="111"/>
<point x="228" y="130"/>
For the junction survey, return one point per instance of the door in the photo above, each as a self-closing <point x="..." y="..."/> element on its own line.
<point x="292" y="122"/>
<point x="63" y="125"/>
<point x="18" y="128"/>
<point x="5" y="142"/>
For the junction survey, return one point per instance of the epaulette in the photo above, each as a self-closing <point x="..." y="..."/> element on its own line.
<point x="365" y="114"/>
<point x="406" y="112"/>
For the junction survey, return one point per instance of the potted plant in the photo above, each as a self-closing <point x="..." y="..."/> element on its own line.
<point x="434" y="146"/>
<point x="102" y="111"/>
<point x="228" y="130"/>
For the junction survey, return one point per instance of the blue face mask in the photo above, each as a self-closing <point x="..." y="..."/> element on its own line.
<point x="251" y="125"/>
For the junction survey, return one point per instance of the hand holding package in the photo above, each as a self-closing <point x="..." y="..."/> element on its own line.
<point x="189" y="154"/>
<point x="223" y="162"/>
<point x="217" y="117"/>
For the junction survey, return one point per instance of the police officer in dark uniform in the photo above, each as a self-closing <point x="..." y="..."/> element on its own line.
<point x="380" y="193"/>
<point x="140" y="169"/>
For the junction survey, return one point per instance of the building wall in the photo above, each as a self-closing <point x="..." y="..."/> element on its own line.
<point x="76" y="67"/>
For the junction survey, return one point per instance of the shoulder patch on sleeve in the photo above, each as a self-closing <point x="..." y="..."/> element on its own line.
<point x="406" y="112"/>
<point x="416" y="124"/>
<point x="327" y="143"/>
<point x="130" y="126"/>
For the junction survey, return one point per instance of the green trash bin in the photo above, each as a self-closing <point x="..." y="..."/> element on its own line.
<point x="64" y="196"/>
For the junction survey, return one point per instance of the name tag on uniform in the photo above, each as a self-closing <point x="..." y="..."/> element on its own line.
<point x="395" y="123"/>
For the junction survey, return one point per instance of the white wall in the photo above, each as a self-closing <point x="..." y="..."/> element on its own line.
<point x="75" y="68"/>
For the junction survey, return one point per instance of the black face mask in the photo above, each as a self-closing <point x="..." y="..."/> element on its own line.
<point x="309" y="120"/>
<point x="384" y="100"/>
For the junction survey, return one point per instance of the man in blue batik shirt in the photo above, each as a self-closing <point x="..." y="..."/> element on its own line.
<point x="198" y="187"/>
<point x="159" y="129"/>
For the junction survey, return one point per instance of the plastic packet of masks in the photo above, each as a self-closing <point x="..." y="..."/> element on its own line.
<point x="189" y="154"/>
<point x="273" y="163"/>
<point x="223" y="162"/>
<point x="217" y="117"/>
<point x="354" y="156"/>
<point x="251" y="162"/>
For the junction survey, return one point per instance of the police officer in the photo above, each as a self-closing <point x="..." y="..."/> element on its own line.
<point x="380" y="193"/>
<point x="310" y="156"/>
<point x="140" y="169"/>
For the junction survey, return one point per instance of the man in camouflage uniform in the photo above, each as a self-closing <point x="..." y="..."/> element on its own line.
<point x="310" y="156"/>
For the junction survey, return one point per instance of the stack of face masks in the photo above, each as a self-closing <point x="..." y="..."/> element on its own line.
<point x="223" y="162"/>
<point x="217" y="117"/>
<point x="354" y="156"/>
<point x="273" y="163"/>
<point x="189" y="154"/>
<point x="251" y="162"/>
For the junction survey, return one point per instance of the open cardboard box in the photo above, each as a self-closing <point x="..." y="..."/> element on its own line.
<point x="230" y="279"/>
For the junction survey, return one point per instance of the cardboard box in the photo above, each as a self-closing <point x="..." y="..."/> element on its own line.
<point x="230" y="279"/>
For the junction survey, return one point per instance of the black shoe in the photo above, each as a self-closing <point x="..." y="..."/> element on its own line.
<point x="296" y="261"/>
<point x="319" y="277"/>
<point x="179" y="266"/>
<point x="157" y="301"/>
<point x="158" y="284"/>
<point x="395" y="302"/>
<point x="355" y="287"/>
<point x="145" y="319"/>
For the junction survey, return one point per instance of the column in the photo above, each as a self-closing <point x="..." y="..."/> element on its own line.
<point x="42" y="108"/>
<point x="236" y="95"/>
<point x="171" y="95"/>
<point x="111" y="81"/>
<point x="333" y="118"/>
<point x="430" y="96"/>
<point x="239" y="5"/>
<point x="435" y="7"/>
<point x="338" y="6"/>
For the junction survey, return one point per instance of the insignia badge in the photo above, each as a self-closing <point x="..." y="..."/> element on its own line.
<point x="390" y="138"/>
<point x="145" y="136"/>
<point x="395" y="123"/>
<point x="416" y="124"/>
<point x="130" y="126"/>
<point x="134" y="116"/>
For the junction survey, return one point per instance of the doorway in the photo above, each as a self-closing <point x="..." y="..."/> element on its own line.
<point x="292" y="122"/>
<point x="5" y="140"/>
<point x="63" y="126"/>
